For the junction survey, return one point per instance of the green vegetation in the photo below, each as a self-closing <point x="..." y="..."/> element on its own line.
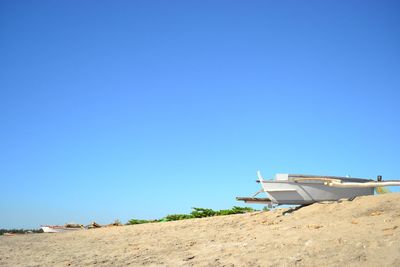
<point x="201" y="213"/>
<point x="20" y="231"/>
<point x="135" y="221"/>
<point x="176" y="217"/>
<point x="234" y="210"/>
<point x="196" y="213"/>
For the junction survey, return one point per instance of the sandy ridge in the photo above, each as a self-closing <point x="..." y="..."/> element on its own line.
<point x="362" y="232"/>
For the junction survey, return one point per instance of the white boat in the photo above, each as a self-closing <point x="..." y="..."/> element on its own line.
<point x="299" y="189"/>
<point x="58" y="229"/>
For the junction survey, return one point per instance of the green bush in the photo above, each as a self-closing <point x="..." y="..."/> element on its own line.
<point x="196" y="213"/>
<point x="177" y="217"/>
<point x="201" y="213"/>
<point x="224" y="212"/>
<point x="237" y="210"/>
<point x="135" y="221"/>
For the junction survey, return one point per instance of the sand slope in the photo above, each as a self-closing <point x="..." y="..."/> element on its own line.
<point x="363" y="232"/>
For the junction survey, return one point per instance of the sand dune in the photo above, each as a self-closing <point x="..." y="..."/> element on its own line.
<point x="363" y="232"/>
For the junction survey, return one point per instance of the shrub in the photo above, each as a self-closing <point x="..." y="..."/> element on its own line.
<point x="237" y="210"/>
<point x="196" y="213"/>
<point x="224" y="212"/>
<point x="177" y="217"/>
<point x="201" y="212"/>
<point x="135" y="221"/>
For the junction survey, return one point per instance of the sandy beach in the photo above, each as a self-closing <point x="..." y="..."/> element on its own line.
<point x="362" y="232"/>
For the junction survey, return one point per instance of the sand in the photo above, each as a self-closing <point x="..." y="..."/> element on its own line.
<point x="362" y="232"/>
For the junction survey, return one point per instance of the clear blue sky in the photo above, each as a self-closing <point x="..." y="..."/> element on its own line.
<point x="136" y="109"/>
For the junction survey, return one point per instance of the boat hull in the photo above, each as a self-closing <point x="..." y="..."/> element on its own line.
<point x="58" y="229"/>
<point x="286" y="192"/>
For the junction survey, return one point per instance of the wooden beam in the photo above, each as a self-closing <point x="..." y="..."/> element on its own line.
<point x="254" y="200"/>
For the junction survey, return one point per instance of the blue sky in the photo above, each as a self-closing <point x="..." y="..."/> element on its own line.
<point x="137" y="109"/>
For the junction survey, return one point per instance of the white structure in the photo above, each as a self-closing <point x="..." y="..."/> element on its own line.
<point x="298" y="189"/>
<point x="58" y="229"/>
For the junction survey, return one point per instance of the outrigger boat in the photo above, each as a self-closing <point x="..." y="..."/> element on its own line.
<point x="299" y="189"/>
<point x="61" y="229"/>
